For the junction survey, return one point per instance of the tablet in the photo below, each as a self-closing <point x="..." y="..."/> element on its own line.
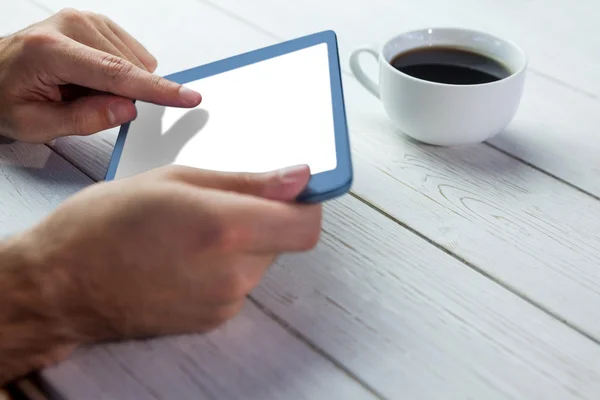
<point x="263" y="110"/>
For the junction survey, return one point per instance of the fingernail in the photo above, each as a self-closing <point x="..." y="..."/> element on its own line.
<point x="293" y="174"/>
<point x="287" y="183"/>
<point x="189" y="96"/>
<point x="119" y="112"/>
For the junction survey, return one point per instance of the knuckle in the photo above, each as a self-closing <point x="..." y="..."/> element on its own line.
<point x="80" y="123"/>
<point x="172" y="172"/>
<point x="158" y="82"/>
<point x="229" y="235"/>
<point x="71" y="15"/>
<point x="115" y="67"/>
<point x="247" y="183"/>
<point x="35" y="39"/>
<point x="103" y="18"/>
<point x="90" y="15"/>
<point x="91" y="19"/>
<point x="219" y="234"/>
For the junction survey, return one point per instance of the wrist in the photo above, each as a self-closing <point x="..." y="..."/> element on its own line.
<point x="34" y="332"/>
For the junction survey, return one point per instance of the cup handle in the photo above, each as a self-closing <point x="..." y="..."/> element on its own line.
<point x="358" y="72"/>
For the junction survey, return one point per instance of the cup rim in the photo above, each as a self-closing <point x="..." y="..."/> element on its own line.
<point x="511" y="43"/>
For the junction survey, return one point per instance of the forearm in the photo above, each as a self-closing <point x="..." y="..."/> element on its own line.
<point x="32" y="331"/>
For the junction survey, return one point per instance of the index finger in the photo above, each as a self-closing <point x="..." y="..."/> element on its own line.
<point x="95" y="69"/>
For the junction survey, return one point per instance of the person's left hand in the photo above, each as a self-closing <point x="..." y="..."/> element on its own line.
<point x="75" y="73"/>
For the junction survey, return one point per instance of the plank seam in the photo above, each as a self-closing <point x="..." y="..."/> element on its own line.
<point x="284" y="325"/>
<point x="534" y="71"/>
<point x="295" y="333"/>
<point x="70" y="162"/>
<point x="507" y="287"/>
<point x="562" y="83"/>
<point x="550" y="174"/>
<point x="477" y="269"/>
<point x="239" y="18"/>
<point x="274" y="36"/>
<point x="449" y="252"/>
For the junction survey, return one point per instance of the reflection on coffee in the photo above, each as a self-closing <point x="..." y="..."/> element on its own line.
<point x="450" y="65"/>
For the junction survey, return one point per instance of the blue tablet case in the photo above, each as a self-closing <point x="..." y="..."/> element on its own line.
<point x="322" y="186"/>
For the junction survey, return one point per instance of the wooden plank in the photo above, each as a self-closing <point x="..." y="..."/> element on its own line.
<point x="414" y="322"/>
<point x="403" y="316"/>
<point x="506" y="219"/>
<point x="538" y="236"/>
<point x="407" y="318"/>
<point x="33" y="181"/>
<point x="174" y="32"/>
<point x="251" y="357"/>
<point x="556" y="126"/>
<point x="557" y="138"/>
<point x="523" y="21"/>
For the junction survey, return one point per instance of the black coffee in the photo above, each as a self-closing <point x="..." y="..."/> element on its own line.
<point x="450" y="65"/>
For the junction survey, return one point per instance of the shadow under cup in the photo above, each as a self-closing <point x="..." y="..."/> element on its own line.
<point x="443" y="113"/>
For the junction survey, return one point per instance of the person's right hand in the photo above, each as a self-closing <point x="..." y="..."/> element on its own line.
<point x="171" y="251"/>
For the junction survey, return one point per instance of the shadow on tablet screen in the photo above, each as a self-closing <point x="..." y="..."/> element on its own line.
<point x="163" y="148"/>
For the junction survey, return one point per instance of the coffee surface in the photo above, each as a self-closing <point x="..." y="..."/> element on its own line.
<point x="450" y="65"/>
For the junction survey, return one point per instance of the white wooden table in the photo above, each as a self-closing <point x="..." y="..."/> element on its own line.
<point x="465" y="273"/>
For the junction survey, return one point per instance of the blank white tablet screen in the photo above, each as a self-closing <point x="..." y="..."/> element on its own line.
<point x="256" y="118"/>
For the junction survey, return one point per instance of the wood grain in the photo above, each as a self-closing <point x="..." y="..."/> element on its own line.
<point x="260" y="354"/>
<point x="251" y="357"/>
<point x="556" y="128"/>
<point x="407" y="318"/>
<point x="506" y="219"/>
<point x="178" y="40"/>
<point x="554" y="53"/>
<point x="274" y="364"/>
<point x="537" y="236"/>
<point x="414" y="322"/>
<point x="33" y="181"/>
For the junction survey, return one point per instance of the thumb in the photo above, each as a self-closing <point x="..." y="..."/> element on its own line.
<point x="284" y="184"/>
<point x="83" y="116"/>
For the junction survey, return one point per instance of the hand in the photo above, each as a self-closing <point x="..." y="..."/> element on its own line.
<point x="171" y="251"/>
<point x="74" y="74"/>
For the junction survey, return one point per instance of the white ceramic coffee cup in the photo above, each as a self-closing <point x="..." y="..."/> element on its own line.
<point x="446" y="114"/>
